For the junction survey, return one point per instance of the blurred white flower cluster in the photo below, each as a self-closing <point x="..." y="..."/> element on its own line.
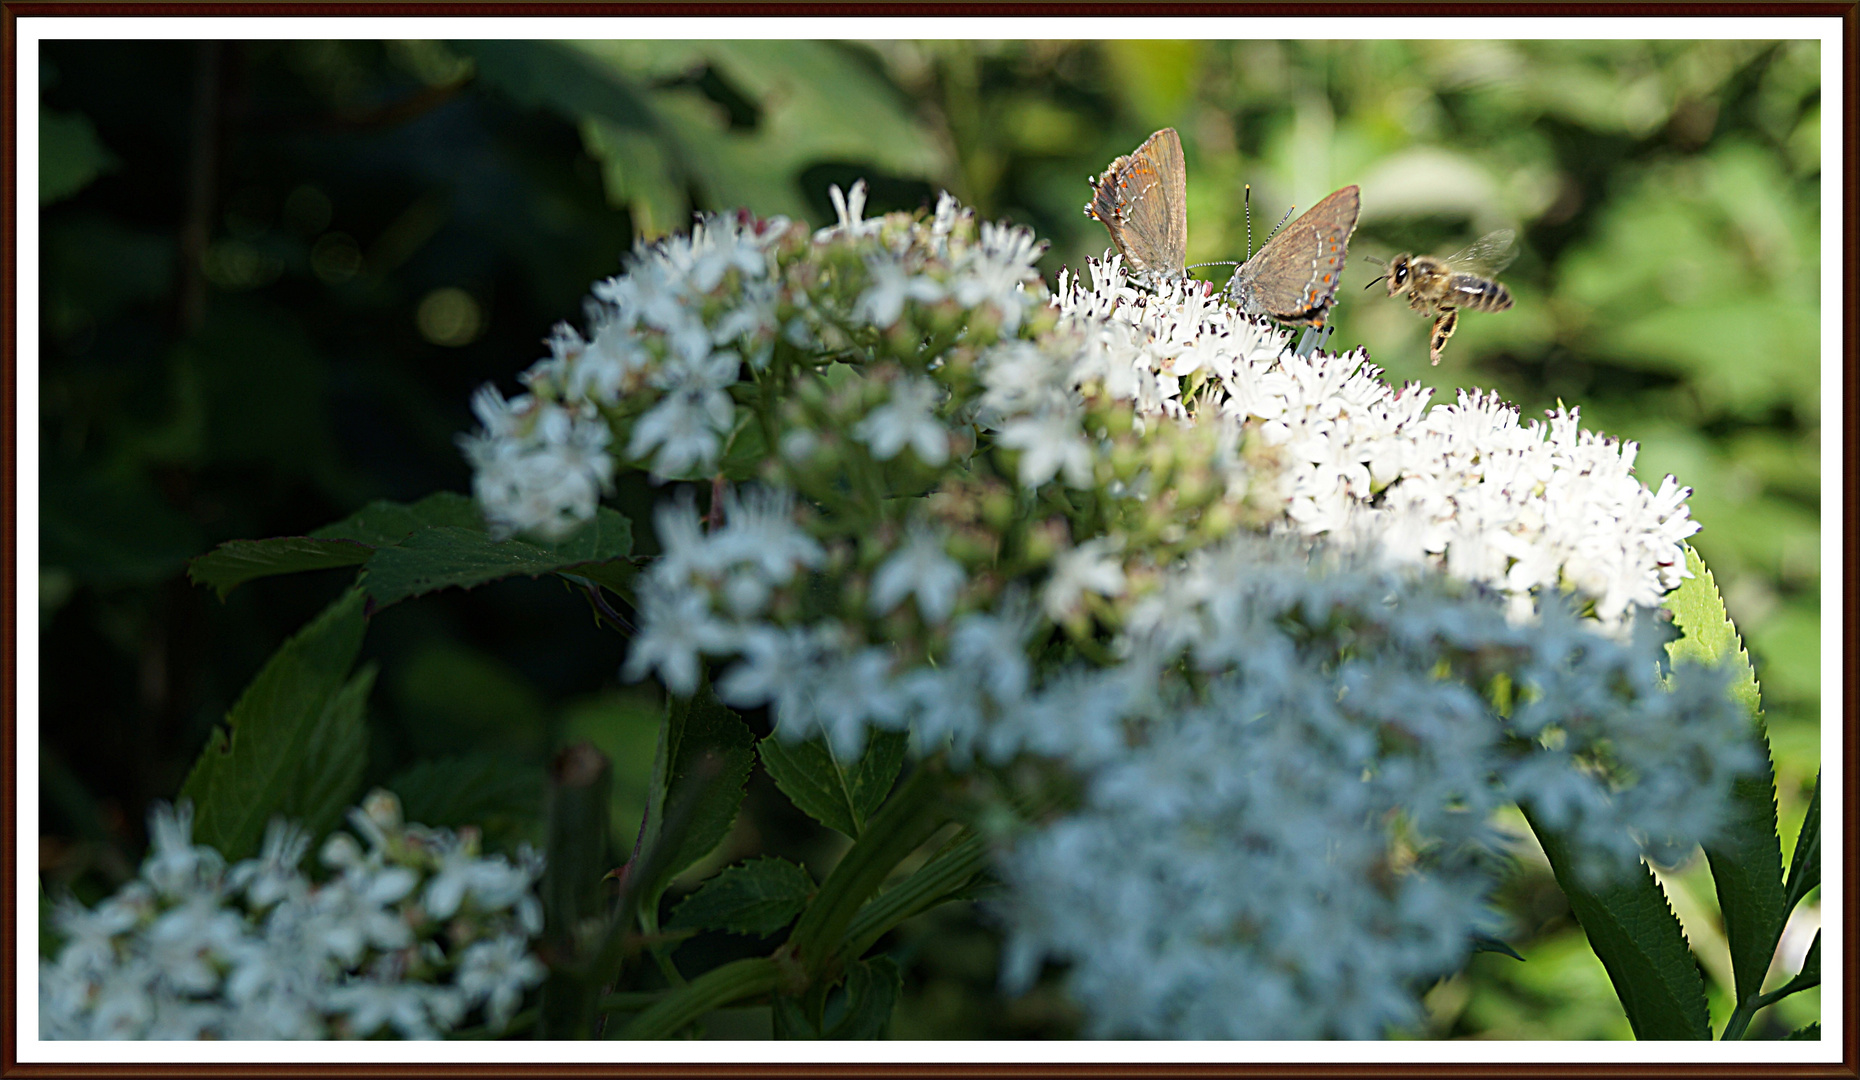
<point x="1294" y="632"/>
<point x="1519" y="507"/>
<point x="411" y="933"/>
<point x="1295" y="840"/>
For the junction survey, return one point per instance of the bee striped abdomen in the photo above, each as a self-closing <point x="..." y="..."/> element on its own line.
<point x="1478" y="294"/>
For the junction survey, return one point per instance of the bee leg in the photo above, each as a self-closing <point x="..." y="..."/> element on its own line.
<point x="1443" y="329"/>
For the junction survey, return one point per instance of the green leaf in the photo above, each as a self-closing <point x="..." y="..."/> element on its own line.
<point x="70" y="155"/>
<point x="1746" y="871"/>
<point x="812" y="778"/>
<point x="349" y="542"/>
<point x="1746" y="855"/>
<point x="1811" y="1033"/>
<point x="236" y="562"/>
<point x="1710" y="638"/>
<point x="789" y="1018"/>
<point x="1639" y="941"/>
<point x="558" y="77"/>
<point x="382" y="523"/>
<point x="334" y="760"/>
<point x="699" y="777"/>
<point x="807" y="773"/>
<point x="755" y="898"/>
<point x="861" y="1011"/>
<point x="450" y="555"/>
<point x="1805" y="864"/>
<point x="487" y="790"/>
<point x="872" y="989"/>
<point x="263" y="759"/>
<point x="799" y="90"/>
<point x="872" y="779"/>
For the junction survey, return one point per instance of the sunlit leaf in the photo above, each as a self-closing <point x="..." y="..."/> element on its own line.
<point x="1746" y="855"/>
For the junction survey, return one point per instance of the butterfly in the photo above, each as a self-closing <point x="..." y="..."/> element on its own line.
<point x="1142" y="199"/>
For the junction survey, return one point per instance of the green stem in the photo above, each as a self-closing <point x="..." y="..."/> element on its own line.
<point x="907" y="819"/>
<point x="1747" y="1010"/>
<point x="631" y="1000"/>
<point x="709" y="991"/>
<point x="916" y="893"/>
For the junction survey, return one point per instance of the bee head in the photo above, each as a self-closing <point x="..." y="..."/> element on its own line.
<point x="1398" y="273"/>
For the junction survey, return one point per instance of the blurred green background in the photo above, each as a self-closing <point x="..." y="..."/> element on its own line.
<point x="273" y="272"/>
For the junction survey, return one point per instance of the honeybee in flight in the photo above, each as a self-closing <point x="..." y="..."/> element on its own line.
<point x="1441" y="287"/>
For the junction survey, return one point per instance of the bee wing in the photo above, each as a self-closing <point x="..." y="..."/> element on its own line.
<point x="1488" y="255"/>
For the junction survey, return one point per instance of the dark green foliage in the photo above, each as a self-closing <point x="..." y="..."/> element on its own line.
<point x="703" y="761"/>
<point x="292" y="744"/>
<point x="448" y="555"/>
<point x="491" y="792"/>
<point x="434" y="544"/>
<point x="758" y="897"/>
<point x="70" y="156"/>
<point x="811" y="775"/>
<point x="111" y="531"/>
<point x="236" y="562"/>
<point x="382" y="523"/>
<point x="862" y="1010"/>
<point x="330" y="776"/>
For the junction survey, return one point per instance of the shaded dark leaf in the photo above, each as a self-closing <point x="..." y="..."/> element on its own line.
<point x="262" y="760"/>
<point x="756" y="898"/>
<point x="701" y="769"/>
<point x="487" y="790"/>
<point x="872" y="989"/>
<point x="450" y="556"/>
<point x="332" y="766"/>
<point x="382" y="523"/>
<point x="236" y="562"/>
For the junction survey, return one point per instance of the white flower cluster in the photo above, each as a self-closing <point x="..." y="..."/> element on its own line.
<point x="677" y="326"/>
<point x="1289" y="746"/>
<point x="408" y="935"/>
<point x="1300" y="847"/>
<point x="692" y="316"/>
<point x="1519" y="507"/>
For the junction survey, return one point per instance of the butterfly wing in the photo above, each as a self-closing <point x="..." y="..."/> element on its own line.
<point x="1142" y="198"/>
<point x="1294" y="278"/>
